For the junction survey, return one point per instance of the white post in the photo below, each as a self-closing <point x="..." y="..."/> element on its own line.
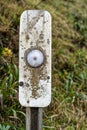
<point x="35" y="65"/>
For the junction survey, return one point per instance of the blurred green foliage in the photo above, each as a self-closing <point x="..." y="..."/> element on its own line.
<point x="68" y="109"/>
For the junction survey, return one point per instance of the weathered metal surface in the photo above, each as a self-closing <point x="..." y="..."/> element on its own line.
<point x="28" y="118"/>
<point x="35" y="83"/>
<point x="34" y="118"/>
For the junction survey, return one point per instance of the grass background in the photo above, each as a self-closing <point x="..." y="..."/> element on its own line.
<point x="68" y="109"/>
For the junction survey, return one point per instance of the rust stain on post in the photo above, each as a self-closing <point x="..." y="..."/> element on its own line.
<point x="37" y="74"/>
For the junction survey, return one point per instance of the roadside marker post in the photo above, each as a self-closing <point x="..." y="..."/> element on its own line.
<point x="35" y="65"/>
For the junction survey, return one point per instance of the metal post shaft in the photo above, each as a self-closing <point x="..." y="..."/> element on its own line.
<point x="33" y="118"/>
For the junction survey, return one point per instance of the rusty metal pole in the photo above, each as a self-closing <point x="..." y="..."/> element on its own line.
<point x="33" y="118"/>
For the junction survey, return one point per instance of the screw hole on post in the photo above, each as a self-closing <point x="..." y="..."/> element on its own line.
<point x="35" y="58"/>
<point x="48" y="77"/>
<point x="27" y="101"/>
<point x="21" y="83"/>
